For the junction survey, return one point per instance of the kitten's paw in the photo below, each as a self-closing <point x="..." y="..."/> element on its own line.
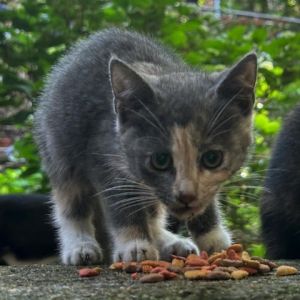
<point x="173" y="244"/>
<point x="135" y="250"/>
<point x="215" y="240"/>
<point x="82" y="253"/>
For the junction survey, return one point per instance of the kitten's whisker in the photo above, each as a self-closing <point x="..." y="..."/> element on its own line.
<point x="143" y="203"/>
<point x="119" y="188"/>
<point x="214" y="129"/>
<point x="148" y="121"/>
<point x="128" y="194"/>
<point x="153" y="116"/>
<point x="133" y="201"/>
<point x="137" y="183"/>
<point x="142" y="208"/>
<point x="220" y="111"/>
<point x="106" y="154"/>
<point x="219" y="133"/>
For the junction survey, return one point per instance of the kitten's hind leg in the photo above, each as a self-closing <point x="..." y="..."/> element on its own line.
<point x="208" y="231"/>
<point x="73" y="213"/>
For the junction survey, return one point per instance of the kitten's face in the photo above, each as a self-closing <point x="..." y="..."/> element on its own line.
<point x="186" y="134"/>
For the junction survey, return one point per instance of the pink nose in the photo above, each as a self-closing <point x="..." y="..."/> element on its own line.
<point x="186" y="198"/>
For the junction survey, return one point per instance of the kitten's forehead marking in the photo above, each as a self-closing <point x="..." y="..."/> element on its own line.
<point x="185" y="159"/>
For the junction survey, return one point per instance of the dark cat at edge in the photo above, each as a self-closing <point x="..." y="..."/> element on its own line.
<point x="26" y="231"/>
<point x="280" y="206"/>
<point x="124" y="125"/>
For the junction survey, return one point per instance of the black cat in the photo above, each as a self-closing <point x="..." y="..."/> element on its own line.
<point x="280" y="207"/>
<point x="26" y="230"/>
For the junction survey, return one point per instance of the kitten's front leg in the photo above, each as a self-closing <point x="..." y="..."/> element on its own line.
<point x="131" y="235"/>
<point x="208" y="232"/>
<point x="131" y="243"/>
<point x="170" y="243"/>
<point x="73" y="216"/>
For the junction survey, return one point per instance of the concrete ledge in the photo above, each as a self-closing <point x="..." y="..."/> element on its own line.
<point x="62" y="282"/>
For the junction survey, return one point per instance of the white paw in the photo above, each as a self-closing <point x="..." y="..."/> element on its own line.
<point x="135" y="250"/>
<point x="215" y="240"/>
<point x="170" y="243"/>
<point x="82" y="253"/>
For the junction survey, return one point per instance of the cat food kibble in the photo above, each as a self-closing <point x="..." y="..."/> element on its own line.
<point x="239" y="274"/>
<point x="89" y="272"/>
<point x="233" y="263"/>
<point x="151" y="278"/>
<point x="286" y="270"/>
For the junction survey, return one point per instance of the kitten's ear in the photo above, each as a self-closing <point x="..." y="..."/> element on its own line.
<point x="237" y="85"/>
<point x="129" y="88"/>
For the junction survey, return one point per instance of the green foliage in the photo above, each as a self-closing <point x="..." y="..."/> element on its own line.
<point x="33" y="34"/>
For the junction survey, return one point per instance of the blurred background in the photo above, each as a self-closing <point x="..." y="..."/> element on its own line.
<point x="208" y="34"/>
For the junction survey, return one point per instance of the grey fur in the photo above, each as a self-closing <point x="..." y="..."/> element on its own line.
<point x="87" y="147"/>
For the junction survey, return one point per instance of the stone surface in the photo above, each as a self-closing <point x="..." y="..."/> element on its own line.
<point x="62" y="282"/>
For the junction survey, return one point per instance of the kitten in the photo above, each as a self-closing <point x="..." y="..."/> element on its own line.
<point x="126" y="124"/>
<point x="280" y="206"/>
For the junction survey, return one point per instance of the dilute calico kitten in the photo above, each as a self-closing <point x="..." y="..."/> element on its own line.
<point x="280" y="206"/>
<point x="126" y="124"/>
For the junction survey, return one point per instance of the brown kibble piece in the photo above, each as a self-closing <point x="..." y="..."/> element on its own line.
<point x="196" y="274"/>
<point x="131" y="267"/>
<point x="216" y="256"/>
<point x="178" y="262"/>
<point x="286" y="270"/>
<point x="251" y="264"/>
<point x="168" y="275"/>
<point x="251" y="271"/>
<point x="264" y="268"/>
<point x="218" y="275"/>
<point x="151" y="278"/>
<point x="185" y="269"/>
<point x="239" y="274"/>
<point x="264" y="261"/>
<point x="157" y="270"/>
<point x="174" y="269"/>
<point x="226" y="269"/>
<point x="230" y="263"/>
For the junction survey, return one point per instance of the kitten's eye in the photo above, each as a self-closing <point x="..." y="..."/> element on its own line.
<point x="212" y="159"/>
<point x="161" y="161"/>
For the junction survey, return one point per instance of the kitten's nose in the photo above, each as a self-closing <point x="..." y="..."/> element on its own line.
<point x="186" y="198"/>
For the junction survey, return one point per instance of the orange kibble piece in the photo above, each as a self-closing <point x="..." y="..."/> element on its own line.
<point x="178" y="262"/>
<point x="116" y="266"/>
<point x="168" y="275"/>
<point x="146" y="268"/>
<point x="231" y="254"/>
<point x="88" y="272"/>
<point x="238" y="248"/>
